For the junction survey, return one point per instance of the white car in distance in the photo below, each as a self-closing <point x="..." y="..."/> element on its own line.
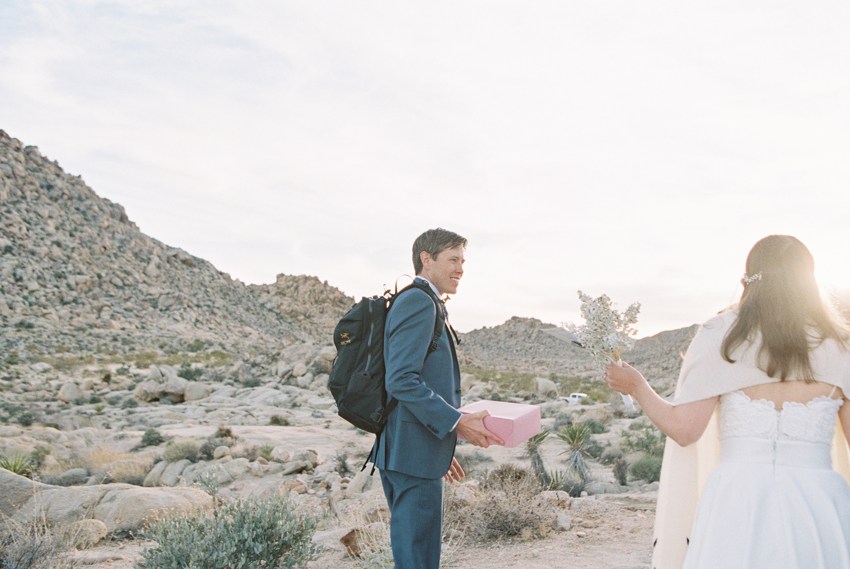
<point x="574" y="398"/>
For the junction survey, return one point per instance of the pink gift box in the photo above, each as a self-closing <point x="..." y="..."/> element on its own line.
<point x="514" y="423"/>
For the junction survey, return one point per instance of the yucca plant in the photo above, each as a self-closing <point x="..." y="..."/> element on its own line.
<point x="576" y="437"/>
<point x="20" y="464"/>
<point x="532" y="451"/>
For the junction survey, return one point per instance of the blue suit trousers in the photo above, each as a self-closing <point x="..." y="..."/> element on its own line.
<point x="416" y="509"/>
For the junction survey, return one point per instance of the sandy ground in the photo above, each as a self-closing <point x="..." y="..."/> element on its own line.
<point x="610" y="531"/>
<point x="613" y="533"/>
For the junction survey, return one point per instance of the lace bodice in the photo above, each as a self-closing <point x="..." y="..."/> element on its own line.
<point x="812" y="422"/>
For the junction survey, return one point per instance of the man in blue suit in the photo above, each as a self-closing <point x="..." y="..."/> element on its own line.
<point x="416" y="448"/>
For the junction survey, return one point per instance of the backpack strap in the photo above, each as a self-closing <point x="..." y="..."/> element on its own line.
<point x="440" y="321"/>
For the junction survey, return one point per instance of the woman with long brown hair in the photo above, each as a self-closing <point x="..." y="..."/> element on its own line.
<point x="776" y="368"/>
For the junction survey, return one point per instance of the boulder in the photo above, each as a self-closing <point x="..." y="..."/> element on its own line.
<point x="83" y="534"/>
<point x="72" y="477"/>
<point x="362" y="482"/>
<point x="467" y="380"/>
<point x="130" y="509"/>
<point x="196" y="390"/>
<point x="15" y="491"/>
<point x="281" y="454"/>
<point x="154" y="476"/>
<point x="544" y="387"/>
<point x="69" y="392"/>
<point x="147" y="391"/>
<point x="171" y="474"/>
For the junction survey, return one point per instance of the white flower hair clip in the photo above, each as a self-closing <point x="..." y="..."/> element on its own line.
<point x="752" y="278"/>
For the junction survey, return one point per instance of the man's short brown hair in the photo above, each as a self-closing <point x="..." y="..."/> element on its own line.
<point x="434" y="242"/>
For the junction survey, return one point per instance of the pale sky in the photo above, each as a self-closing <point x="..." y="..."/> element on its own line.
<point x="636" y="149"/>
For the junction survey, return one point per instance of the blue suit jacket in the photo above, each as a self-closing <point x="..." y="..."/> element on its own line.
<point x="419" y="438"/>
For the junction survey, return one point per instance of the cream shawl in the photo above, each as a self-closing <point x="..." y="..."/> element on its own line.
<point x="684" y="470"/>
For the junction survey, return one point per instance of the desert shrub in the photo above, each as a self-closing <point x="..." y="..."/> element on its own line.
<point x="568" y="481"/>
<point x="127" y="472"/>
<point x="206" y="450"/>
<point x="208" y="481"/>
<point x="251" y="452"/>
<point x="504" y="508"/>
<point x="223" y="433"/>
<point x="26" y="419"/>
<point x="340" y="460"/>
<point x="186" y="371"/>
<point x="278" y="421"/>
<point x="31" y="546"/>
<point x="129" y="403"/>
<point x="251" y="382"/>
<point x="196" y="346"/>
<point x="644" y="438"/>
<point x="37" y="457"/>
<point x="180" y="449"/>
<point x="562" y="420"/>
<point x="20" y="464"/>
<point x="266" y="451"/>
<point x="151" y="438"/>
<point x="250" y="534"/>
<point x="593" y="448"/>
<point x="596" y="426"/>
<point x="647" y="467"/>
<point x="621" y="470"/>
<point x="610" y="454"/>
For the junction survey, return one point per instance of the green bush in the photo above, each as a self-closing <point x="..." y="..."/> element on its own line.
<point x="129" y="403"/>
<point x="251" y="382"/>
<point x="647" y="467"/>
<point x="266" y="451"/>
<point x="621" y="470"/>
<point x="258" y="534"/>
<point x="186" y="371"/>
<point x="641" y="437"/>
<point x="152" y="438"/>
<point x="596" y="426"/>
<point x="278" y="421"/>
<point x="610" y="455"/>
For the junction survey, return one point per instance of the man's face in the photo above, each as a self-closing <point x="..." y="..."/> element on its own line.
<point x="445" y="271"/>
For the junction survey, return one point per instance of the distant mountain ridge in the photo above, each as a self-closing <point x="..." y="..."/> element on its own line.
<point x="76" y="275"/>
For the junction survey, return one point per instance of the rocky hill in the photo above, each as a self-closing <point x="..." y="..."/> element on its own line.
<point x="76" y="275"/>
<point x="521" y="345"/>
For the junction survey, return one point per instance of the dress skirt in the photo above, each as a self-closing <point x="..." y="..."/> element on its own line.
<point x="772" y="504"/>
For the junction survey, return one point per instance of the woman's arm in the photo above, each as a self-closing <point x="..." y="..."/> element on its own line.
<point x="683" y="423"/>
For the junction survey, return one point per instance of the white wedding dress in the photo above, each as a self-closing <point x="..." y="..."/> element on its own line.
<point x="774" y="500"/>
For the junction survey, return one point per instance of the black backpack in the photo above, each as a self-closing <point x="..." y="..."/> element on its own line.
<point x="357" y="378"/>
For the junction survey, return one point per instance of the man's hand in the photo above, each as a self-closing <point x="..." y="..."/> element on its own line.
<point x="455" y="472"/>
<point x="471" y="426"/>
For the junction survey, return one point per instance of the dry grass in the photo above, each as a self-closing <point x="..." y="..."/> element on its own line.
<point x="31" y="546"/>
<point x="116" y="466"/>
<point x="501" y="508"/>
